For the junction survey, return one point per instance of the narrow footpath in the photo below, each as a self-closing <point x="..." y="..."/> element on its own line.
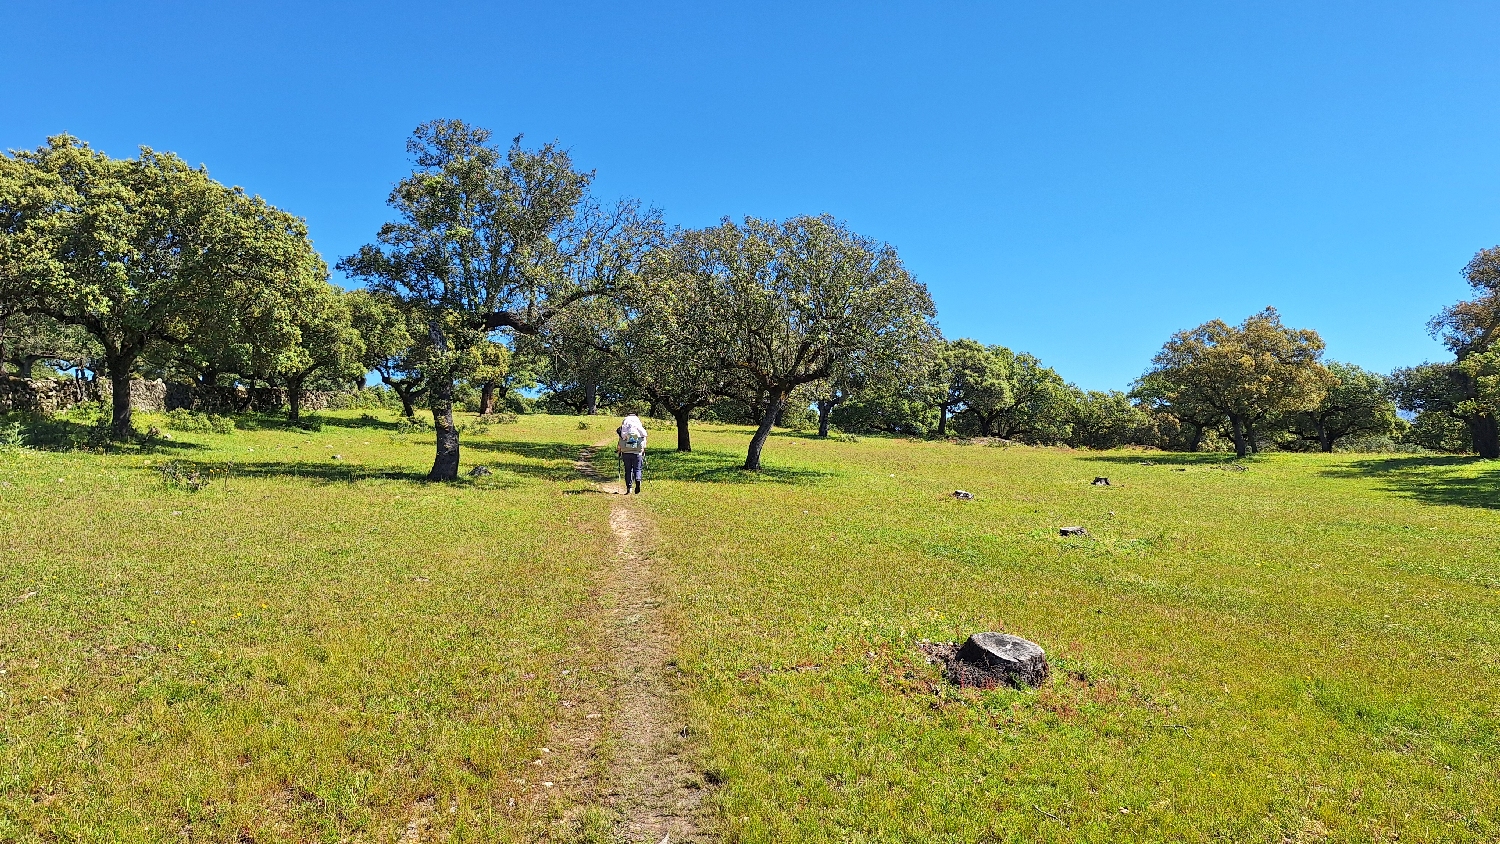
<point x="654" y="786"/>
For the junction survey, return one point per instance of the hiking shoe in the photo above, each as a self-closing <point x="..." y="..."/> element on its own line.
<point x="637" y="487"/>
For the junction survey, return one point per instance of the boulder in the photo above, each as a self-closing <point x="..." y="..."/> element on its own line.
<point x="961" y="495"/>
<point x="1101" y="481"/>
<point x="988" y="659"/>
<point x="480" y="471"/>
<point x="1075" y="530"/>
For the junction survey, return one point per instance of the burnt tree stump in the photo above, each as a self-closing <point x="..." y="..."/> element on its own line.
<point x="988" y="659"/>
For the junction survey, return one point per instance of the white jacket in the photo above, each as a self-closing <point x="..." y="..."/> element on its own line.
<point x="632" y="436"/>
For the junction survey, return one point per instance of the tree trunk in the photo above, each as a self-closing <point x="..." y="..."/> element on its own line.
<point x="1486" y="436"/>
<point x="294" y="400"/>
<point x="775" y="402"/>
<point x="684" y="438"/>
<point x="407" y="409"/>
<point x="1325" y="437"/>
<point x="27" y="362"/>
<point x="984" y="424"/>
<point x="1241" y="448"/>
<point x="445" y="464"/>
<point x="1195" y="439"/>
<point x="591" y="397"/>
<point x="487" y="399"/>
<point x="825" y="410"/>
<point x="942" y="430"/>
<point x="119" y="382"/>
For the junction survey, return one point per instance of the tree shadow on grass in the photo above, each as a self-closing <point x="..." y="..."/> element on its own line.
<point x="1170" y="458"/>
<point x="54" y="433"/>
<point x="1430" y="479"/>
<point x="328" y="473"/>
<point x="723" y="467"/>
<point x="556" y="459"/>
<point x="364" y="420"/>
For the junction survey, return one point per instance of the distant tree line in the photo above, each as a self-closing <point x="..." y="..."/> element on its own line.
<point x="503" y="283"/>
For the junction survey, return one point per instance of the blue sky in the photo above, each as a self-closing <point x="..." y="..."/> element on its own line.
<point x="1077" y="181"/>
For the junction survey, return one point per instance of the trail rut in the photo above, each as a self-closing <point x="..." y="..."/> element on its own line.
<point x="656" y="790"/>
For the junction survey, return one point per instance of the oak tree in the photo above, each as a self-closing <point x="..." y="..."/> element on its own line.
<point x="489" y="239"/>
<point x="796" y="300"/>
<point x="1247" y="373"/>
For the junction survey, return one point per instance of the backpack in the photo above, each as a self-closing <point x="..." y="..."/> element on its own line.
<point x="631" y="442"/>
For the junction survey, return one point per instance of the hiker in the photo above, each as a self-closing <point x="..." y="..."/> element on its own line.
<point x="632" y="450"/>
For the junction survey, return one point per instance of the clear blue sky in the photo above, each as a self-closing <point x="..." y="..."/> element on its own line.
<point x="1074" y="180"/>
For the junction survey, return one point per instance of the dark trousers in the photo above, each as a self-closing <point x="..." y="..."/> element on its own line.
<point x="634" y="463"/>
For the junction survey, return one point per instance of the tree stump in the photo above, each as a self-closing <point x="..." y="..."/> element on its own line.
<point x="988" y="659"/>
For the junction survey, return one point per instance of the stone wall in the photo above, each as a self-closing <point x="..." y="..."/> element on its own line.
<point x="144" y="395"/>
<point x="43" y="394"/>
<point x="49" y="396"/>
<point x="239" y="399"/>
<point x="46" y="395"/>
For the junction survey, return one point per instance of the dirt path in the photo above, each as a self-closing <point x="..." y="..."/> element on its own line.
<point x="656" y="789"/>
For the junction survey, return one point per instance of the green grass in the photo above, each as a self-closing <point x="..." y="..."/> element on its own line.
<point x="304" y="650"/>
<point x="311" y="649"/>
<point x="1306" y="650"/>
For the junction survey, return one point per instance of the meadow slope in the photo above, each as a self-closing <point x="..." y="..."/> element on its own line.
<point x="331" y="649"/>
<point x="1305" y="650"/>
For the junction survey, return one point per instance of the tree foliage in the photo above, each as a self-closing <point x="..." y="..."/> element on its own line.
<point x="1104" y="420"/>
<point x="1357" y="403"/>
<point x="1247" y="373"/>
<point x="144" y="251"/>
<point x="795" y="301"/>
<point x="488" y="239"/>
<point x="1469" y="330"/>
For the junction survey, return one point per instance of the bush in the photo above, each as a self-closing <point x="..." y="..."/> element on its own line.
<point x="415" y="425"/>
<point x="10" y="435"/>
<point x="799" y="419"/>
<point x="308" y="423"/>
<point x="370" y="398"/>
<point x="482" y="423"/>
<point x="191" y="421"/>
<point x="1376" y="445"/>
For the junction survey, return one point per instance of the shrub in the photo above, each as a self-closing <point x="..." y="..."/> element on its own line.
<point x="483" y="423"/>
<point x="175" y="474"/>
<point x="10" y="435"/>
<point x="1439" y="431"/>
<point x="370" y="398"/>
<point x="1377" y="445"/>
<point x="416" y="425"/>
<point x="190" y="421"/>
<point x="799" y="419"/>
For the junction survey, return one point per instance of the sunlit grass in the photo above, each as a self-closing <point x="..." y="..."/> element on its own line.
<point x="1305" y="650"/>
<point x="324" y="649"/>
<point x="306" y="649"/>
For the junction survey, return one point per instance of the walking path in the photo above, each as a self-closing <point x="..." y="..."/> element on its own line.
<point x="656" y="789"/>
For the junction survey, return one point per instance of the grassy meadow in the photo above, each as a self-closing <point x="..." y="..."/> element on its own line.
<point x="306" y="649"/>
<point x="1293" y="648"/>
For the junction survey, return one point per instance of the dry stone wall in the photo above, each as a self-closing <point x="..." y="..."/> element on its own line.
<point x="239" y="399"/>
<point x="47" y="395"/>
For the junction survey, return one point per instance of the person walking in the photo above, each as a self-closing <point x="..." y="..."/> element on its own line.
<point x="631" y="448"/>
